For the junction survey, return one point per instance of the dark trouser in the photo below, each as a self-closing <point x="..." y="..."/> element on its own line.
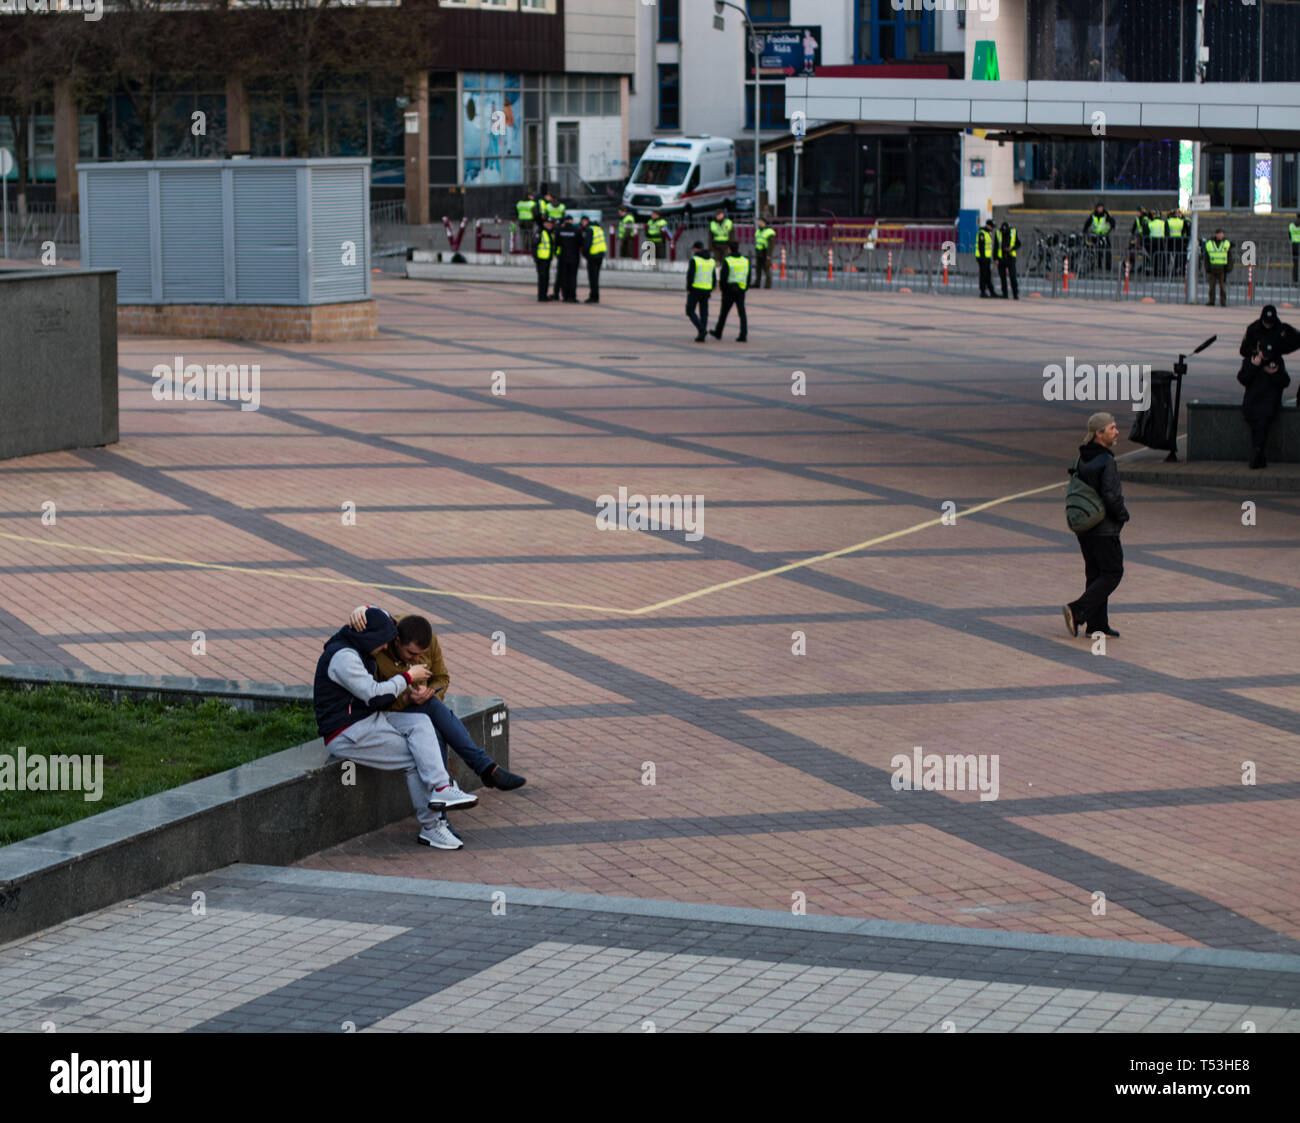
<point x="697" y="308"/>
<point x="720" y="250"/>
<point x="1217" y="275"/>
<point x="1103" y="252"/>
<point x="661" y="248"/>
<point x="1295" y="262"/>
<point x="1180" y="257"/>
<point x="543" y="277"/>
<point x="625" y="246"/>
<point x="1103" y="568"/>
<point x="732" y="296"/>
<point x="453" y="735"/>
<point x="1259" y="427"/>
<point x="763" y="268"/>
<point x="1007" y="268"/>
<point x="559" y="277"/>
<point x="594" y="262"/>
<point x="568" y="280"/>
<point x="986" y="277"/>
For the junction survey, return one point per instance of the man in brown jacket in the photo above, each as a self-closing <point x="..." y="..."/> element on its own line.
<point x="416" y="644"/>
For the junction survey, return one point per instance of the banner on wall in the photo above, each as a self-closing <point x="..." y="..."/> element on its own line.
<point x="491" y="124"/>
<point x="794" y="50"/>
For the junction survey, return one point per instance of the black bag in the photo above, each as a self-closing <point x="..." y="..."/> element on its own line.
<point x="1084" y="508"/>
<point x="1154" y="427"/>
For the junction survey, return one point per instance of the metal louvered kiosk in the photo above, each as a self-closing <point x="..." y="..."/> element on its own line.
<point x="240" y="249"/>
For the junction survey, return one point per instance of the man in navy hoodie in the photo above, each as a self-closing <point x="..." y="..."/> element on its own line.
<point x="350" y="706"/>
<point x="1103" y="558"/>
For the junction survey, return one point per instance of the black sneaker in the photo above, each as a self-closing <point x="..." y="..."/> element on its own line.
<point x="501" y="779"/>
<point x="1071" y="624"/>
<point x="1104" y="631"/>
<point x="716" y="333"/>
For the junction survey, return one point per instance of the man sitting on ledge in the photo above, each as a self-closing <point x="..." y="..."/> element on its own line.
<point x="349" y="705"/>
<point x="416" y="646"/>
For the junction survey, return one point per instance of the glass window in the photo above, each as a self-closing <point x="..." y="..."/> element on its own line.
<point x="669" y="20"/>
<point x="662" y="173"/>
<point x="771" y="104"/>
<point x="887" y="31"/>
<point x="611" y="104"/>
<point x="1281" y="43"/>
<point x="669" y="98"/>
<point x="769" y="11"/>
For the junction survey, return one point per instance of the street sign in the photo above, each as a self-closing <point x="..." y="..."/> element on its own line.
<point x="798" y="147"/>
<point x="1200" y="202"/>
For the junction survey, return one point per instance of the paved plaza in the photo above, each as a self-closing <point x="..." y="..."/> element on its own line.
<point x="705" y="721"/>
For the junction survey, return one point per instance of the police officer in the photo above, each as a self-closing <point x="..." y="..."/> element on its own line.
<point x="764" y="236"/>
<point x="700" y="271"/>
<point x="1218" y="256"/>
<point x="1138" y="239"/>
<point x="1098" y="226"/>
<point x="1008" y="244"/>
<point x="570" y="246"/>
<point x="593" y="249"/>
<point x="1156" y="233"/>
<point x="720" y="235"/>
<point x="656" y="233"/>
<point x="735" y="280"/>
<point x="1294" y="230"/>
<point x="554" y="209"/>
<point x="1176" y="235"/>
<point x="543" y="254"/>
<point x="626" y="232"/>
<point x="526" y="215"/>
<point x="985" y="240"/>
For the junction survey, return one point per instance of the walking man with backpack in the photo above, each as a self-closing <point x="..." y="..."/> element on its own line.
<point x="1095" y="511"/>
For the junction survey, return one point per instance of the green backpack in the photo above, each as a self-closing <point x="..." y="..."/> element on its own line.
<point x="1084" y="508"/>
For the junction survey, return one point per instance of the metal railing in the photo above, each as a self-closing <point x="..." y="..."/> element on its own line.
<point x="31" y="233"/>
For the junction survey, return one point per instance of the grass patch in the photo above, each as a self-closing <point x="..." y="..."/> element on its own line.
<point x="148" y="746"/>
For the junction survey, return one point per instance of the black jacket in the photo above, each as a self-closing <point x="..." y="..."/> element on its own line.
<point x="1283" y="336"/>
<point x="1263" y="396"/>
<point x="1098" y="470"/>
<point x="336" y="708"/>
<point x="569" y="243"/>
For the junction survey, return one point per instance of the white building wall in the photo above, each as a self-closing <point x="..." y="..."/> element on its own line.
<point x="600" y="146"/>
<point x="836" y="20"/>
<point x="997" y="187"/>
<point x="600" y="36"/>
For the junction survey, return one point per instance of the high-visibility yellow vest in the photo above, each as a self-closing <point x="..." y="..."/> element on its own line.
<point x="625" y="226"/>
<point x="1156" y="228"/>
<point x="721" y="231"/>
<point x="654" y="229"/>
<point x="597" y="239"/>
<point x="703" y="278"/>
<point x="1295" y="232"/>
<point x="984" y="244"/>
<point x="1100" y="224"/>
<point x="1175" y="227"/>
<point x="763" y="239"/>
<point x="544" y="245"/>
<point x="1008" y="249"/>
<point x="526" y="210"/>
<point x="738" y="271"/>
<point x="1217" y="252"/>
<point x="555" y="211"/>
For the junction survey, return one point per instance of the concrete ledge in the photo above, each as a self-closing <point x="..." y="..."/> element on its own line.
<point x="1150" y="467"/>
<point x="1217" y="431"/>
<point x="281" y="323"/>
<point x="666" y="280"/>
<point x="271" y="811"/>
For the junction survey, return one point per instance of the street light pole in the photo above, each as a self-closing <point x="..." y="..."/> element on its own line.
<point x="1193" y="240"/>
<point x="718" y="5"/>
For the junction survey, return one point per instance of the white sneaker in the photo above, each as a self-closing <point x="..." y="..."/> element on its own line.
<point x="439" y="836"/>
<point x="451" y="798"/>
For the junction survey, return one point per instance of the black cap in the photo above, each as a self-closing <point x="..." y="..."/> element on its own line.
<point x="1268" y="315"/>
<point x="698" y="246"/>
<point x="1006" y="226"/>
<point x="988" y="222"/>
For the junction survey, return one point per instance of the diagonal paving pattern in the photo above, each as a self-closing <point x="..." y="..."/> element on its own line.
<point x="1121" y="774"/>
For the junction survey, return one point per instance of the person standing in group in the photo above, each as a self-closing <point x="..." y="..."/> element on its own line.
<point x="1176" y="236"/>
<point x="656" y="233"/>
<point x="1138" y="239"/>
<point x="734" y="279"/>
<point x="1008" y="243"/>
<point x="543" y="255"/>
<point x="570" y="246"/>
<point x="720" y="236"/>
<point x="1293" y="229"/>
<point x="1103" y="558"/>
<point x="985" y="247"/>
<point x="555" y="210"/>
<point x="764" y="236"/>
<point x="593" y="249"/>
<point x="1265" y="378"/>
<point x="626" y="232"/>
<point x="700" y="271"/>
<point x="526" y="215"/>
<point x="1159" y="251"/>
<point x="1098" y="226"/>
<point x="1218" y="260"/>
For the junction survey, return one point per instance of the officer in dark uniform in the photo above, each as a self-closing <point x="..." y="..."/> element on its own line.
<point x="570" y="244"/>
<point x="626" y="232"/>
<point x="656" y="233"/>
<point x="1176" y="233"/>
<point x="526" y="216"/>
<point x="1218" y="260"/>
<point x="700" y="273"/>
<point x="1293" y="229"/>
<point x="985" y="247"/>
<point x="1098" y="226"/>
<point x="1008" y="245"/>
<point x="735" y="280"/>
<point x="720" y="235"/>
<point x="593" y="249"/>
<point x="764" y="236"/>
<point x="543" y="255"/>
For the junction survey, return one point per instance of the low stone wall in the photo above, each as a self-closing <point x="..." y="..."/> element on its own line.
<point x="279" y="323"/>
<point x="58" y="360"/>
<point x="1217" y="431"/>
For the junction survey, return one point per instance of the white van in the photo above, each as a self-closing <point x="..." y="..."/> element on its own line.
<point x="683" y="175"/>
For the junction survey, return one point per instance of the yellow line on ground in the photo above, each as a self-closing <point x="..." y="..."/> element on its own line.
<point x="279" y="573"/>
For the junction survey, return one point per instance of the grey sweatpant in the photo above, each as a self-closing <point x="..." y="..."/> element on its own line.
<point x="402" y="741"/>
